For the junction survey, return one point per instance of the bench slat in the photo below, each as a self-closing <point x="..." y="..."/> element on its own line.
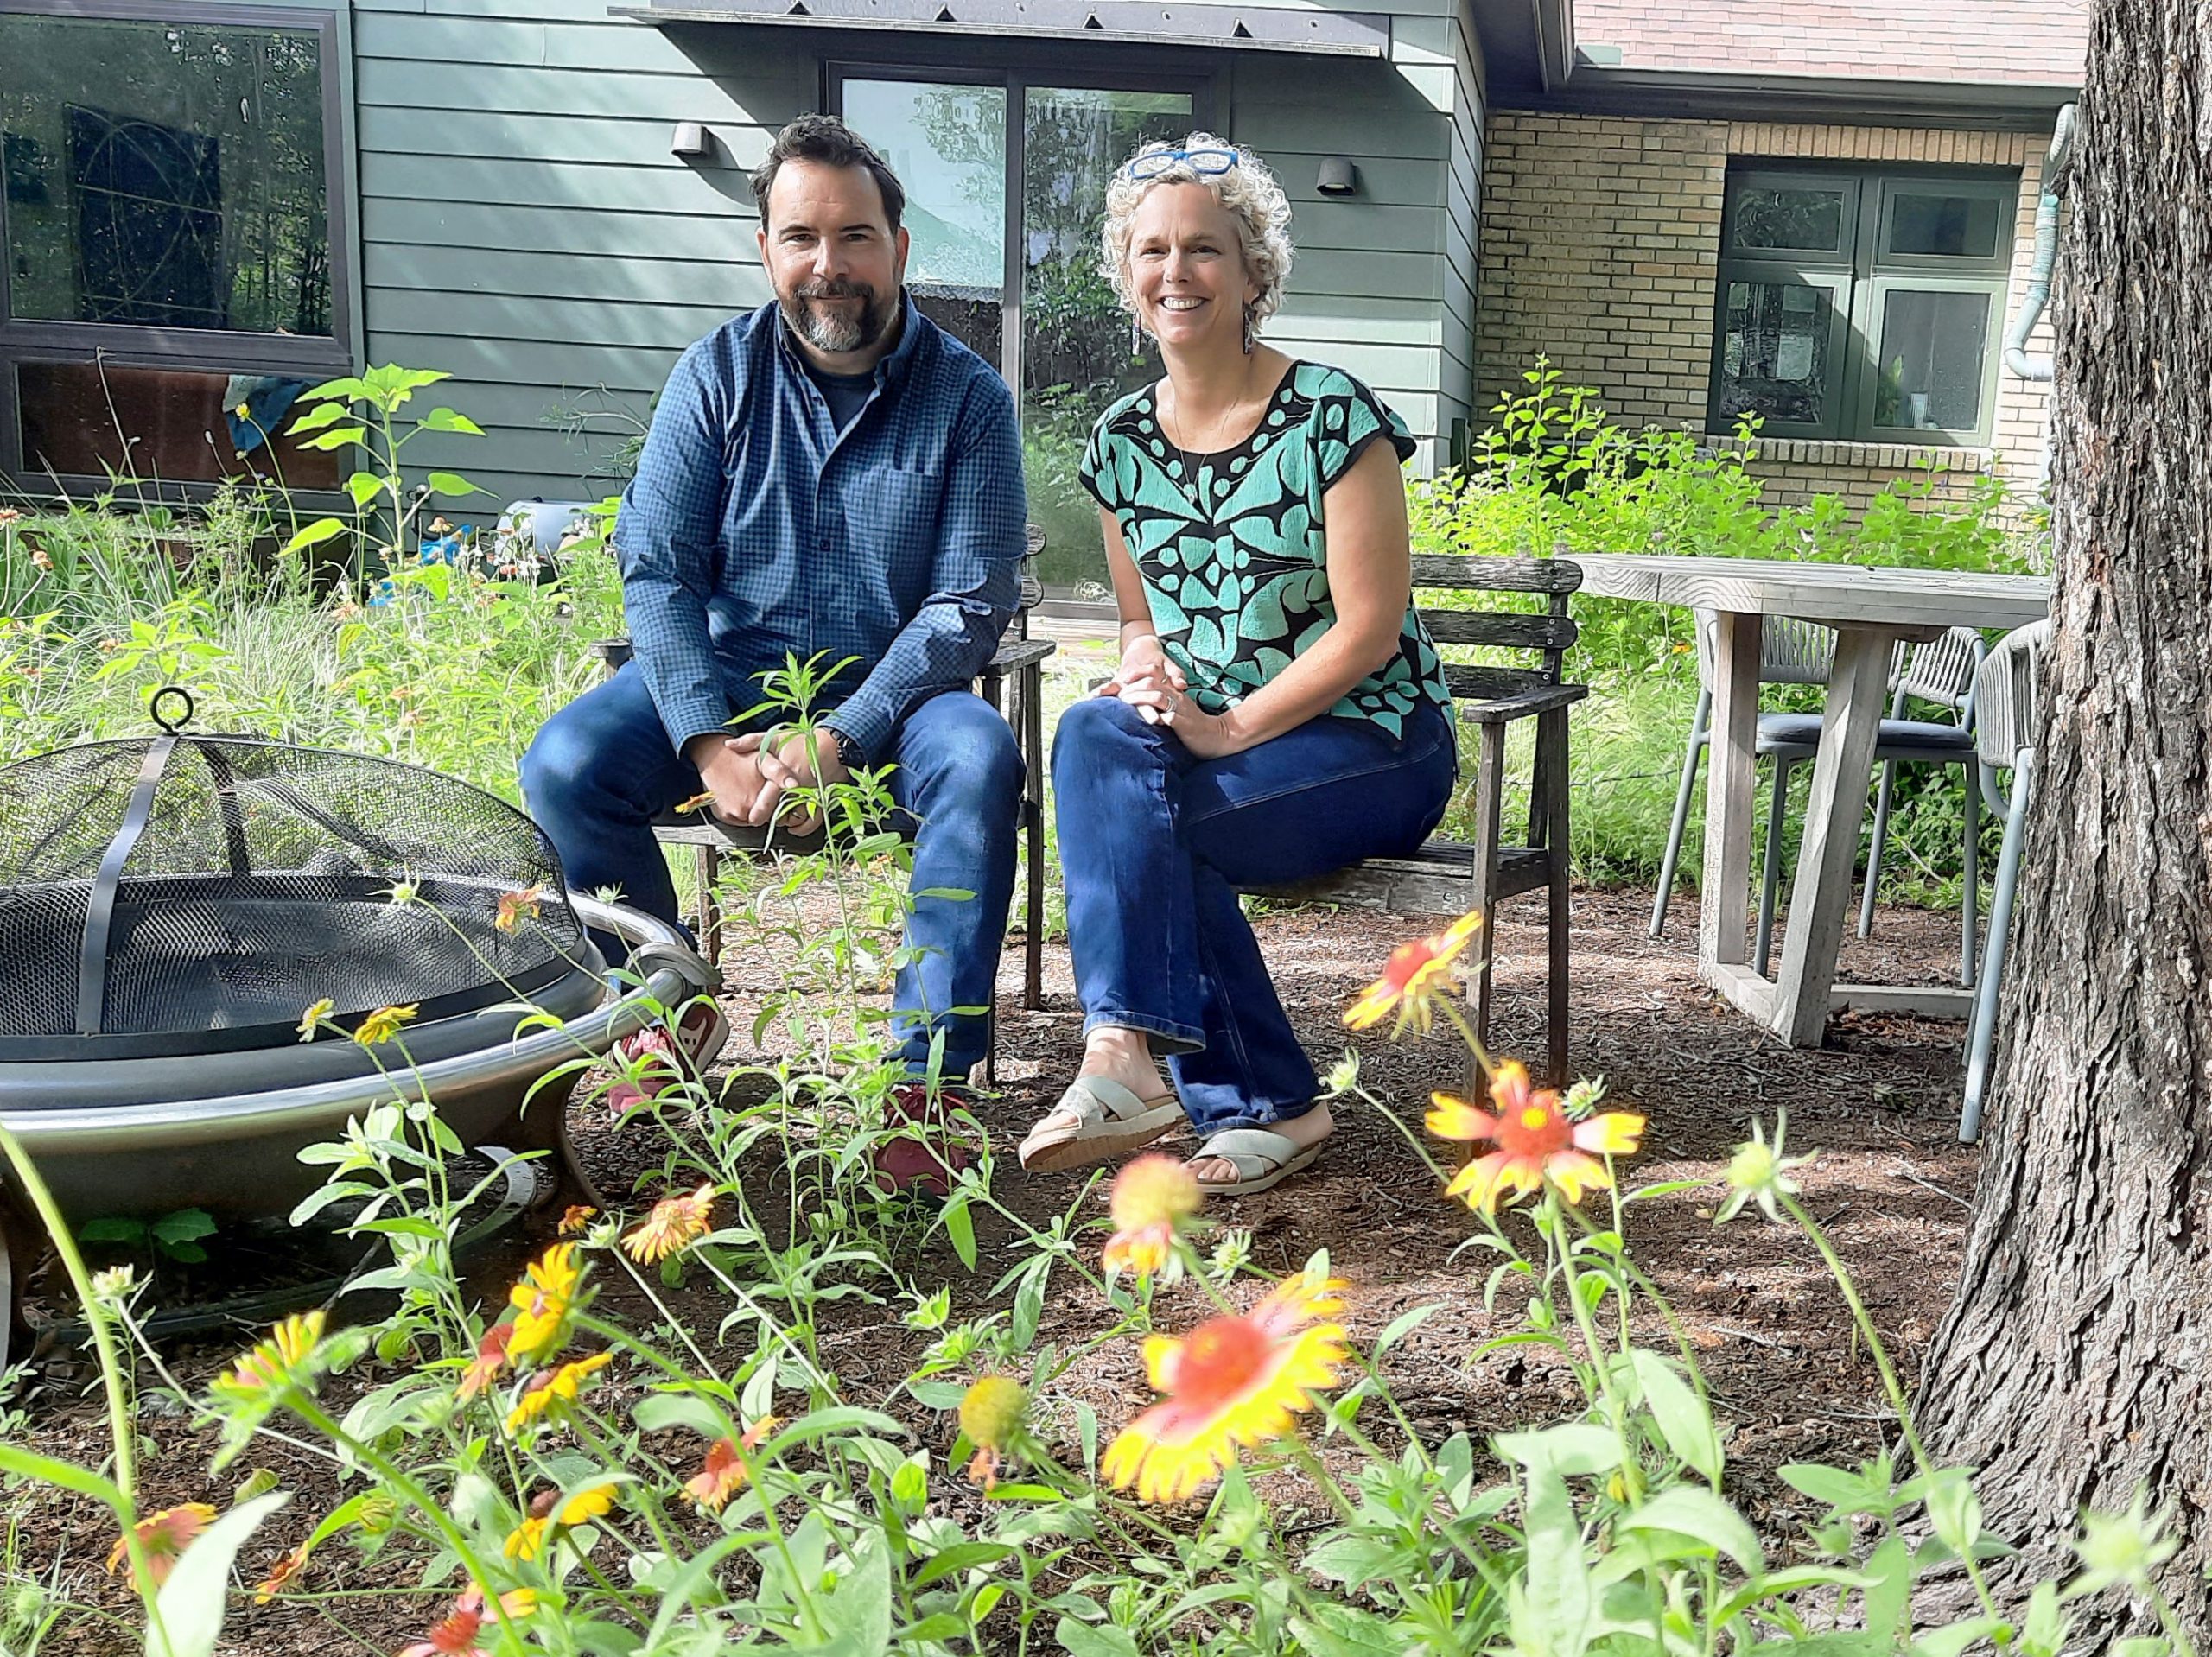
<point x="1438" y="879"/>
<point x="1487" y="684"/>
<point x="1473" y="572"/>
<point x="1538" y="632"/>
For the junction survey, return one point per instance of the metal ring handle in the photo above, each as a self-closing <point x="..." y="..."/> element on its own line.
<point x="168" y="693"/>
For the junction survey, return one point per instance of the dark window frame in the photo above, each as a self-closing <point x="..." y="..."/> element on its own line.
<point x="1017" y="69"/>
<point x="1861" y="276"/>
<point x="206" y="349"/>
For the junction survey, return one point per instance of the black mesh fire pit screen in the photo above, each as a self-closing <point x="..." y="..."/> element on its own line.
<point x="181" y="894"/>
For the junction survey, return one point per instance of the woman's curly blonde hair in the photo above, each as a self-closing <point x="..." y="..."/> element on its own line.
<point x="1248" y="190"/>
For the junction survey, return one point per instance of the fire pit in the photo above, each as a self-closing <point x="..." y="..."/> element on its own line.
<point x="171" y="907"/>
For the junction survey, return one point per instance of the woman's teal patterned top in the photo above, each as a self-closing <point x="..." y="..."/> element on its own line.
<point x="1231" y="544"/>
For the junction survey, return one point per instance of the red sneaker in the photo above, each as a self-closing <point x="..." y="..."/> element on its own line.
<point x="928" y="1159"/>
<point x="669" y="1057"/>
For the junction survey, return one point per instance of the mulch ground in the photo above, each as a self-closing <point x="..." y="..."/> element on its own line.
<point x="1880" y="1102"/>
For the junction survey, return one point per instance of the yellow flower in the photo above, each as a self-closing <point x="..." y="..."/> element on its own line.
<point x="1232" y="1381"/>
<point x="543" y="1302"/>
<point x="557" y="1386"/>
<point x="576" y="1217"/>
<point x="1151" y="1196"/>
<point x="283" y="1360"/>
<point x="527" y="1539"/>
<point x="674" y="1223"/>
<point x="312" y="1017"/>
<point x="1412" y="977"/>
<point x="994" y="1414"/>
<point x="588" y="1504"/>
<point x="516" y="907"/>
<point x="1536" y="1141"/>
<point x="163" y="1537"/>
<point x="384" y="1023"/>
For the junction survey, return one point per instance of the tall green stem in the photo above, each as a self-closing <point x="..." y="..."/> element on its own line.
<point x="120" y="1429"/>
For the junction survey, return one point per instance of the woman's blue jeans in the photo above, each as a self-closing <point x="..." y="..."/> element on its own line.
<point x="602" y="768"/>
<point x="1154" y="843"/>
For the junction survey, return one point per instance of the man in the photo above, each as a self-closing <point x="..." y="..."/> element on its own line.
<point x="830" y="476"/>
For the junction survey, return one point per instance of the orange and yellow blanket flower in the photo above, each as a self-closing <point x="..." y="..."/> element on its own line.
<point x="1151" y="1198"/>
<point x="456" y="1636"/>
<point x="1412" y="977"/>
<point x="1536" y="1141"/>
<point x="674" y="1224"/>
<point x="1235" y="1381"/>
<point x="162" y="1540"/>
<point x="723" y="1473"/>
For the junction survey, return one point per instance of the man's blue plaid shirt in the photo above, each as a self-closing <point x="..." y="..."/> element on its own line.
<point x="754" y="531"/>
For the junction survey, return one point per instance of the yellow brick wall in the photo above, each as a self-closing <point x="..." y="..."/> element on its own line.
<point x="1600" y="244"/>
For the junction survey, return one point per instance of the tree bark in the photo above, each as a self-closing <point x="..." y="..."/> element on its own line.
<point x="2076" y="1364"/>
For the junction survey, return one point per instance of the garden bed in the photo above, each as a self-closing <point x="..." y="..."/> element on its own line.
<point x="1787" y="1380"/>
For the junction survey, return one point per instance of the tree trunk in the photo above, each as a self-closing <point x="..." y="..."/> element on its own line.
<point x="2076" y="1363"/>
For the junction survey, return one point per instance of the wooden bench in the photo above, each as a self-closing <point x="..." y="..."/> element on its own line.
<point x="1013" y="683"/>
<point x="1452" y="877"/>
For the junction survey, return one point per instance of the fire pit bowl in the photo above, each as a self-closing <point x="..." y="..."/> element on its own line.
<point x="171" y="908"/>
<point x="223" y="1131"/>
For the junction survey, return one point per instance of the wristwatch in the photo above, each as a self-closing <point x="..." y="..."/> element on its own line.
<point x="849" y="753"/>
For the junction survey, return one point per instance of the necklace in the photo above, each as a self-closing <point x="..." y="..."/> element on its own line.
<point x="1228" y="421"/>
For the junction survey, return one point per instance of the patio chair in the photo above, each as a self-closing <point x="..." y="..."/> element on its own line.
<point x="1939" y="671"/>
<point x="2005" y="696"/>
<point x="1791" y="653"/>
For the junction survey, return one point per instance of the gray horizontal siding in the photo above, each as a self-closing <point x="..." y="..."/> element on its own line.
<point x="397" y="222"/>
<point x="579" y="186"/>
<point x="557" y="278"/>
<point x="525" y="229"/>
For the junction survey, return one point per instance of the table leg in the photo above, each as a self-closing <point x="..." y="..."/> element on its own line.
<point x="1723" y="896"/>
<point x="1857" y="694"/>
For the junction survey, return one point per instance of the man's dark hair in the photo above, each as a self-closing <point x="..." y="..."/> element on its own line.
<point x="827" y="142"/>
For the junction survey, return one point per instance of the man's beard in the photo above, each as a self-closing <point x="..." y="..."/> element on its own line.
<point x="836" y="332"/>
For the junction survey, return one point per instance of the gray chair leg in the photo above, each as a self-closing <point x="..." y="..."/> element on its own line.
<point x="1674" y="830"/>
<point x="1874" y="850"/>
<point x="1970" y="904"/>
<point x="1771" y="881"/>
<point x="1983" y="1036"/>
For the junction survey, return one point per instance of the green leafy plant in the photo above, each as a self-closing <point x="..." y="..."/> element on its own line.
<point x="172" y="1236"/>
<point x="330" y="420"/>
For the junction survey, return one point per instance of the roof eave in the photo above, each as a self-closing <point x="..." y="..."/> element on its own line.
<point x="1602" y="89"/>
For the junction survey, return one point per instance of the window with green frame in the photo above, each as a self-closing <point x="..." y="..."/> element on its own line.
<point x="1866" y="306"/>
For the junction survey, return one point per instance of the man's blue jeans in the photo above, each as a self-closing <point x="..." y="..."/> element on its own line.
<point x="1154" y="843"/>
<point x="602" y="768"/>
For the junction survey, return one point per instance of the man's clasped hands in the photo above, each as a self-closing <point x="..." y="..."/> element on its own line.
<point x="749" y="777"/>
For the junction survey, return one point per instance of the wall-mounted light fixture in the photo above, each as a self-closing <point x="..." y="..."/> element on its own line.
<point x="691" y="141"/>
<point x="1337" y="177"/>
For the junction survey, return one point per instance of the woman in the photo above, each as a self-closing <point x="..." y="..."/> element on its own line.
<point x="1279" y="710"/>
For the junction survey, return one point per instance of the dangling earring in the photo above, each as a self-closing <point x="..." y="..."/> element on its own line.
<point x="1136" y="337"/>
<point x="1251" y="329"/>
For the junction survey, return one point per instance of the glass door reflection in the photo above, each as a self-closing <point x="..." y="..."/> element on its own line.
<point x="1076" y="355"/>
<point x="947" y="143"/>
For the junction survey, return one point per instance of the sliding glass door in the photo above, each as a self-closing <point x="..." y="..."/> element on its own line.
<point x="1023" y="287"/>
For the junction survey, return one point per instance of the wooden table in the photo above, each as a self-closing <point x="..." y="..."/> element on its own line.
<point x="1871" y="608"/>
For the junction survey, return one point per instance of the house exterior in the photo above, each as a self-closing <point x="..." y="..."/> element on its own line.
<point x="209" y="203"/>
